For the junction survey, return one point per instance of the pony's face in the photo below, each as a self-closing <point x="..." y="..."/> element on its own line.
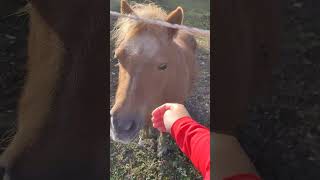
<point x="144" y="71"/>
<point x="148" y="59"/>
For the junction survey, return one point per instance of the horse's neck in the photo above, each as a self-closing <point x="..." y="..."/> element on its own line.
<point x="45" y="53"/>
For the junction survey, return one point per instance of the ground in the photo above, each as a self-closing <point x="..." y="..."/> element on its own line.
<point x="283" y="135"/>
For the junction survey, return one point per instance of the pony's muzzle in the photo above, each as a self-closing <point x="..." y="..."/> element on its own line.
<point x="124" y="129"/>
<point x="124" y="125"/>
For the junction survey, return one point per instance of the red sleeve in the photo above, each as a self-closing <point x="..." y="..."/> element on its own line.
<point x="194" y="141"/>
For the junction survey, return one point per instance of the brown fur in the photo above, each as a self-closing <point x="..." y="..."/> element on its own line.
<point x="151" y="87"/>
<point x="43" y="43"/>
<point x="61" y="119"/>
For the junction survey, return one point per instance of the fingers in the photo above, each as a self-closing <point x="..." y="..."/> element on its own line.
<point x="157" y="122"/>
<point x="157" y="116"/>
<point x="162" y="129"/>
<point x="159" y="111"/>
<point x="159" y="126"/>
<point x="155" y="111"/>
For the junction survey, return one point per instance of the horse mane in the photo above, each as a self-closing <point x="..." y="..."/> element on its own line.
<point x="126" y="27"/>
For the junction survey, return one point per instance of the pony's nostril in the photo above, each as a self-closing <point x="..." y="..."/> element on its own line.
<point x="123" y="125"/>
<point x="126" y="125"/>
<point x="113" y="122"/>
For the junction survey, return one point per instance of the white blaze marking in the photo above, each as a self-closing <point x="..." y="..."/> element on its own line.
<point x="145" y="44"/>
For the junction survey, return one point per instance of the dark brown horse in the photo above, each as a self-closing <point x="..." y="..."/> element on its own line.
<point x="62" y="115"/>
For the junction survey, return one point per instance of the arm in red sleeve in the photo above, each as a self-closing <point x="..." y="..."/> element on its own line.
<point x="194" y="141"/>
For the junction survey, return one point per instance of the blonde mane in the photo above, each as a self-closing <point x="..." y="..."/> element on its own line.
<point x="125" y="27"/>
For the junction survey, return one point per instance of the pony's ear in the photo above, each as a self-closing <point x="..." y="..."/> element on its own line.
<point x="125" y="7"/>
<point x="175" y="17"/>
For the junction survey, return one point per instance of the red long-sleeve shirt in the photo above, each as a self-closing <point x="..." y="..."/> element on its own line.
<point x="193" y="140"/>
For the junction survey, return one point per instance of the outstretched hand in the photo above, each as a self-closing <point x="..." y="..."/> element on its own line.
<point x="164" y="116"/>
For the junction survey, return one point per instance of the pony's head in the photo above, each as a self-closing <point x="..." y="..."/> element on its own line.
<point x="152" y="67"/>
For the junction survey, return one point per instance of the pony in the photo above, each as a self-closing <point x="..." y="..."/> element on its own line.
<point x="156" y="65"/>
<point x="61" y="124"/>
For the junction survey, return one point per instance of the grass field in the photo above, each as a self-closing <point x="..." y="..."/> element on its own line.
<point x="134" y="162"/>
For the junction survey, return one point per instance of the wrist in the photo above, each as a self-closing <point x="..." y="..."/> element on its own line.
<point x="176" y="122"/>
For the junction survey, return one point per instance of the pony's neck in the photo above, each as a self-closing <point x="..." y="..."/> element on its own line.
<point x="45" y="57"/>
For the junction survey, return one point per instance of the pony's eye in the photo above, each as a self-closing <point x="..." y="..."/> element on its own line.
<point x="162" y="67"/>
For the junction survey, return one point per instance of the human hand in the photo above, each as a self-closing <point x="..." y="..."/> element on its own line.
<point x="164" y="116"/>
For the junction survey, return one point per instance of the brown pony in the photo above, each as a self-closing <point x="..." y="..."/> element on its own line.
<point x="156" y="65"/>
<point x="61" y="119"/>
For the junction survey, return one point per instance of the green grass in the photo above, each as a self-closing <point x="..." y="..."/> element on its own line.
<point x="133" y="162"/>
